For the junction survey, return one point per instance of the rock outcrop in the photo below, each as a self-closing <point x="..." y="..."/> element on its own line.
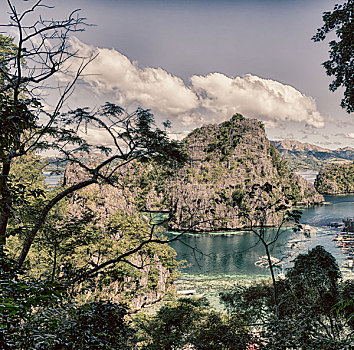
<point x="336" y="179"/>
<point x="234" y="178"/>
<point x="216" y="189"/>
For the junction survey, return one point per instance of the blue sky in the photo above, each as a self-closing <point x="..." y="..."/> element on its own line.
<point x="196" y="62"/>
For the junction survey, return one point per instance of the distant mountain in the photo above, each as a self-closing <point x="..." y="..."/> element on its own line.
<point x="305" y="156"/>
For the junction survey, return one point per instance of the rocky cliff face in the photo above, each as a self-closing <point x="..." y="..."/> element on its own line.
<point x="216" y="189"/>
<point x="336" y="179"/>
<point x="155" y="277"/>
<point x="234" y="178"/>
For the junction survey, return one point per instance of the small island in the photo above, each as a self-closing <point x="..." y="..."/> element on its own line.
<point x="336" y="179"/>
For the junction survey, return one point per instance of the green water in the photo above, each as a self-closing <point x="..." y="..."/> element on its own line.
<point x="219" y="261"/>
<point x="226" y="256"/>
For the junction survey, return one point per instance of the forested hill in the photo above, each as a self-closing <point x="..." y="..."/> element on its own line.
<point x="233" y="169"/>
<point x="234" y="179"/>
<point x="305" y="156"/>
<point x="336" y="179"/>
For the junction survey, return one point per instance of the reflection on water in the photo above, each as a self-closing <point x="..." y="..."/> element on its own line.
<point x="233" y="254"/>
<point x="338" y="208"/>
<point x="236" y="254"/>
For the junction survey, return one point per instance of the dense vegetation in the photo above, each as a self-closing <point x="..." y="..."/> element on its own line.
<point x="340" y="65"/>
<point x="214" y="189"/>
<point x="74" y="268"/>
<point x="61" y="265"/>
<point x="336" y="179"/>
<point x="310" y="318"/>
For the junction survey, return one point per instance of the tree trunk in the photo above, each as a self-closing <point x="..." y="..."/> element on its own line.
<point x="54" y="260"/>
<point x="275" y="288"/>
<point x="5" y="205"/>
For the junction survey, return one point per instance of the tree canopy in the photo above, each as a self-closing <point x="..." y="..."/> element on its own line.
<point x="341" y="54"/>
<point x="40" y="50"/>
<point x="55" y="265"/>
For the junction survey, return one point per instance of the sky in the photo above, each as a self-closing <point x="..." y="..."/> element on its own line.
<point x="199" y="61"/>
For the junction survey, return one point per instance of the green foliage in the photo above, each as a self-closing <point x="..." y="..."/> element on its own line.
<point x="29" y="191"/>
<point x="346" y="305"/>
<point x="19" y="300"/>
<point x="278" y="162"/>
<point x="134" y="135"/>
<point x="37" y="315"/>
<point x="314" y="306"/>
<point x="254" y="302"/>
<point x="7" y="49"/>
<point x="73" y="246"/>
<point x="336" y="178"/>
<point x="295" y="191"/>
<point x="341" y="62"/>
<point x="226" y="137"/>
<point x="100" y="325"/>
<point x="237" y="118"/>
<point x="192" y="322"/>
<point x="45" y="246"/>
<point x="237" y="197"/>
<point x="317" y="267"/>
<point x="172" y="325"/>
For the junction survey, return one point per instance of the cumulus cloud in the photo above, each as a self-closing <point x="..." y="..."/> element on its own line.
<point x="272" y="124"/>
<point x="341" y="123"/>
<point x="153" y="88"/>
<point x="256" y="97"/>
<point x="309" y="131"/>
<point x="210" y="98"/>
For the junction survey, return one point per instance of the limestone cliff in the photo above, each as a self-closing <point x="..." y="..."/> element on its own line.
<point x="214" y="190"/>
<point x="233" y="171"/>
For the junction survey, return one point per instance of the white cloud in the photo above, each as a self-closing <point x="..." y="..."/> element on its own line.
<point x="256" y="97"/>
<point x="211" y="98"/>
<point x="96" y="136"/>
<point x="349" y="135"/>
<point x="272" y="124"/>
<point x="152" y="88"/>
<point x="178" y="135"/>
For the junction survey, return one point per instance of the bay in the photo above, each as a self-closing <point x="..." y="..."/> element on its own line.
<point x="233" y="255"/>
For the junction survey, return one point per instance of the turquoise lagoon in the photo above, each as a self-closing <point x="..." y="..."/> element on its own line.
<point x="220" y="260"/>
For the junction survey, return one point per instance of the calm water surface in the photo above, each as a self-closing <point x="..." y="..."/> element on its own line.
<point x="234" y="255"/>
